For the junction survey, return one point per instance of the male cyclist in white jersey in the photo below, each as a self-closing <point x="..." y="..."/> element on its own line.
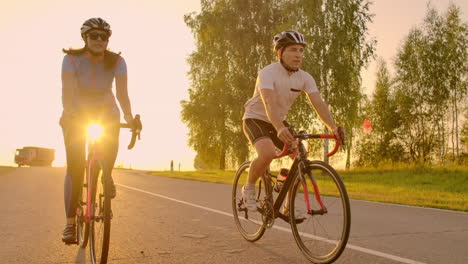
<point x="277" y="86"/>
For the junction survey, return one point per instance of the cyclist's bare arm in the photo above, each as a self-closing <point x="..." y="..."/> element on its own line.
<point x="269" y="101"/>
<point x="122" y="95"/>
<point x="68" y="86"/>
<point x="323" y="112"/>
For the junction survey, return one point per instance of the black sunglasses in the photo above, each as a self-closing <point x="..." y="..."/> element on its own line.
<point x="95" y="36"/>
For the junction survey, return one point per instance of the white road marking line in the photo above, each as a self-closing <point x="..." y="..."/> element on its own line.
<point x="175" y="200"/>
<point x="361" y="249"/>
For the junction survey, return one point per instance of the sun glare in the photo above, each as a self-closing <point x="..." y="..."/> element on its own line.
<point x="95" y="131"/>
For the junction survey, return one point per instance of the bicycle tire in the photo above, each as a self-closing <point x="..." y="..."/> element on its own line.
<point x="100" y="226"/>
<point x="321" y="238"/>
<point x="82" y="228"/>
<point x="249" y="224"/>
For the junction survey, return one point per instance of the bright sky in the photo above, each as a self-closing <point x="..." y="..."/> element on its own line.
<point x="155" y="43"/>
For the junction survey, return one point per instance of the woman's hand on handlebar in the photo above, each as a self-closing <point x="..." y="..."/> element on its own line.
<point x="134" y="123"/>
<point x="129" y="119"/>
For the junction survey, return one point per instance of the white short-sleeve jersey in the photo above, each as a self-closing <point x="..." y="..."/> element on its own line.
<point x="286" y="89"/>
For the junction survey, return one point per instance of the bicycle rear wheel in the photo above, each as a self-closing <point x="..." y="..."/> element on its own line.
<point x="323" y="235"/>
<point x="250" y="224"/>
<point x="100" y="224"/>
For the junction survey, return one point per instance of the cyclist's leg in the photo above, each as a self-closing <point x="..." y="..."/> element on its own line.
<point x="258" y="133"/>
<point x="262" y="135"/>
<point x="299" y="215"/>
<point x="286" y="202"/>
<point x="111" y="148"/>
<point x="75" y="153"/>
<point x="265" y="154"/>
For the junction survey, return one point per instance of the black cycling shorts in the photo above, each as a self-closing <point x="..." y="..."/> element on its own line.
<point x="255" y="129"/>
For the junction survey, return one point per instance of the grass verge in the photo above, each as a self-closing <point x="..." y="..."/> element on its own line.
<point x="444" y="188"/>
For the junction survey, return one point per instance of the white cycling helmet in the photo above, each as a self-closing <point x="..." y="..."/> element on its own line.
<point x="95" y="23"/>
<point x="288" y="37"/>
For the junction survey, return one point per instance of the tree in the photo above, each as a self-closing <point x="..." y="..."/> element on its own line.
<point x="234" y="41"/>
<point x="386" y="119"/>
<point x="381" y="145"/>
<point x="416" y="132"/>
<point x="434" y="62"/>
<point x="205" y="112"/>
<point x="431" y="81"/>
<point x="464" y="140"/>
<point x="456" y="57"/>
<point x="344" y="50"/>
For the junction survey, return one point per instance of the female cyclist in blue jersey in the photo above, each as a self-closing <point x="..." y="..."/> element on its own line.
<point x="87" y="76"/>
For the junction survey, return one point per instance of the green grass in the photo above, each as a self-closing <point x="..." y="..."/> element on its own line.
<point x="445" y="188"/>
<point x="215" y="176"/>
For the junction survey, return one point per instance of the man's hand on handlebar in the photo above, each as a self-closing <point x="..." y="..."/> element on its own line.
<point x="340" y="135"/>
<point x="285" y="135"/>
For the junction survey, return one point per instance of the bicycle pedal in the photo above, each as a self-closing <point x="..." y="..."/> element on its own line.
<point x="287" y="218"/>
<point x="70" y="243"/>
<point x="299" y="220"/>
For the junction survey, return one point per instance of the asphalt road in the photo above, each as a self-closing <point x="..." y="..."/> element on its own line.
<point x="163" y="220"/>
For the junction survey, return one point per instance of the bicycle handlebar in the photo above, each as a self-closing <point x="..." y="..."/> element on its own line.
<point x="287" y="151"/>
<point x="136" y="128"/>
<point x="337" y="143"/>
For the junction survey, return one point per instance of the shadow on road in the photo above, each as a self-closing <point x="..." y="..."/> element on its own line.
<point x="273" y="253"/>
<point x="81" y="255"/>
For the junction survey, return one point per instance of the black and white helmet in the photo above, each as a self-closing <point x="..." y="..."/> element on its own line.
<point x="95" y="23"/>
<point x="287" y="38"/>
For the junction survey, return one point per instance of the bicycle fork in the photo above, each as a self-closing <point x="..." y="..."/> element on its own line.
<point x="323" y="209"/>
<point x="92" y="177"/>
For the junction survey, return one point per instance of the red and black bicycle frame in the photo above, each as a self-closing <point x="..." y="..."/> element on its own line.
<point x="300" y="163"/>
<point x="94" y="158"/>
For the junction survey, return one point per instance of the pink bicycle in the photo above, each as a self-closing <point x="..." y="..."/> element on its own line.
<point x="316" y="204"/>
<point x="94" y="210"/>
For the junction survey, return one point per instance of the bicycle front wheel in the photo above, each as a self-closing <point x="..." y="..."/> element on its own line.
<point x="100" y="224"/>
<point x="323" y="203"/>
<point x="250" y="224"/>
<point x="82" y="227"/>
